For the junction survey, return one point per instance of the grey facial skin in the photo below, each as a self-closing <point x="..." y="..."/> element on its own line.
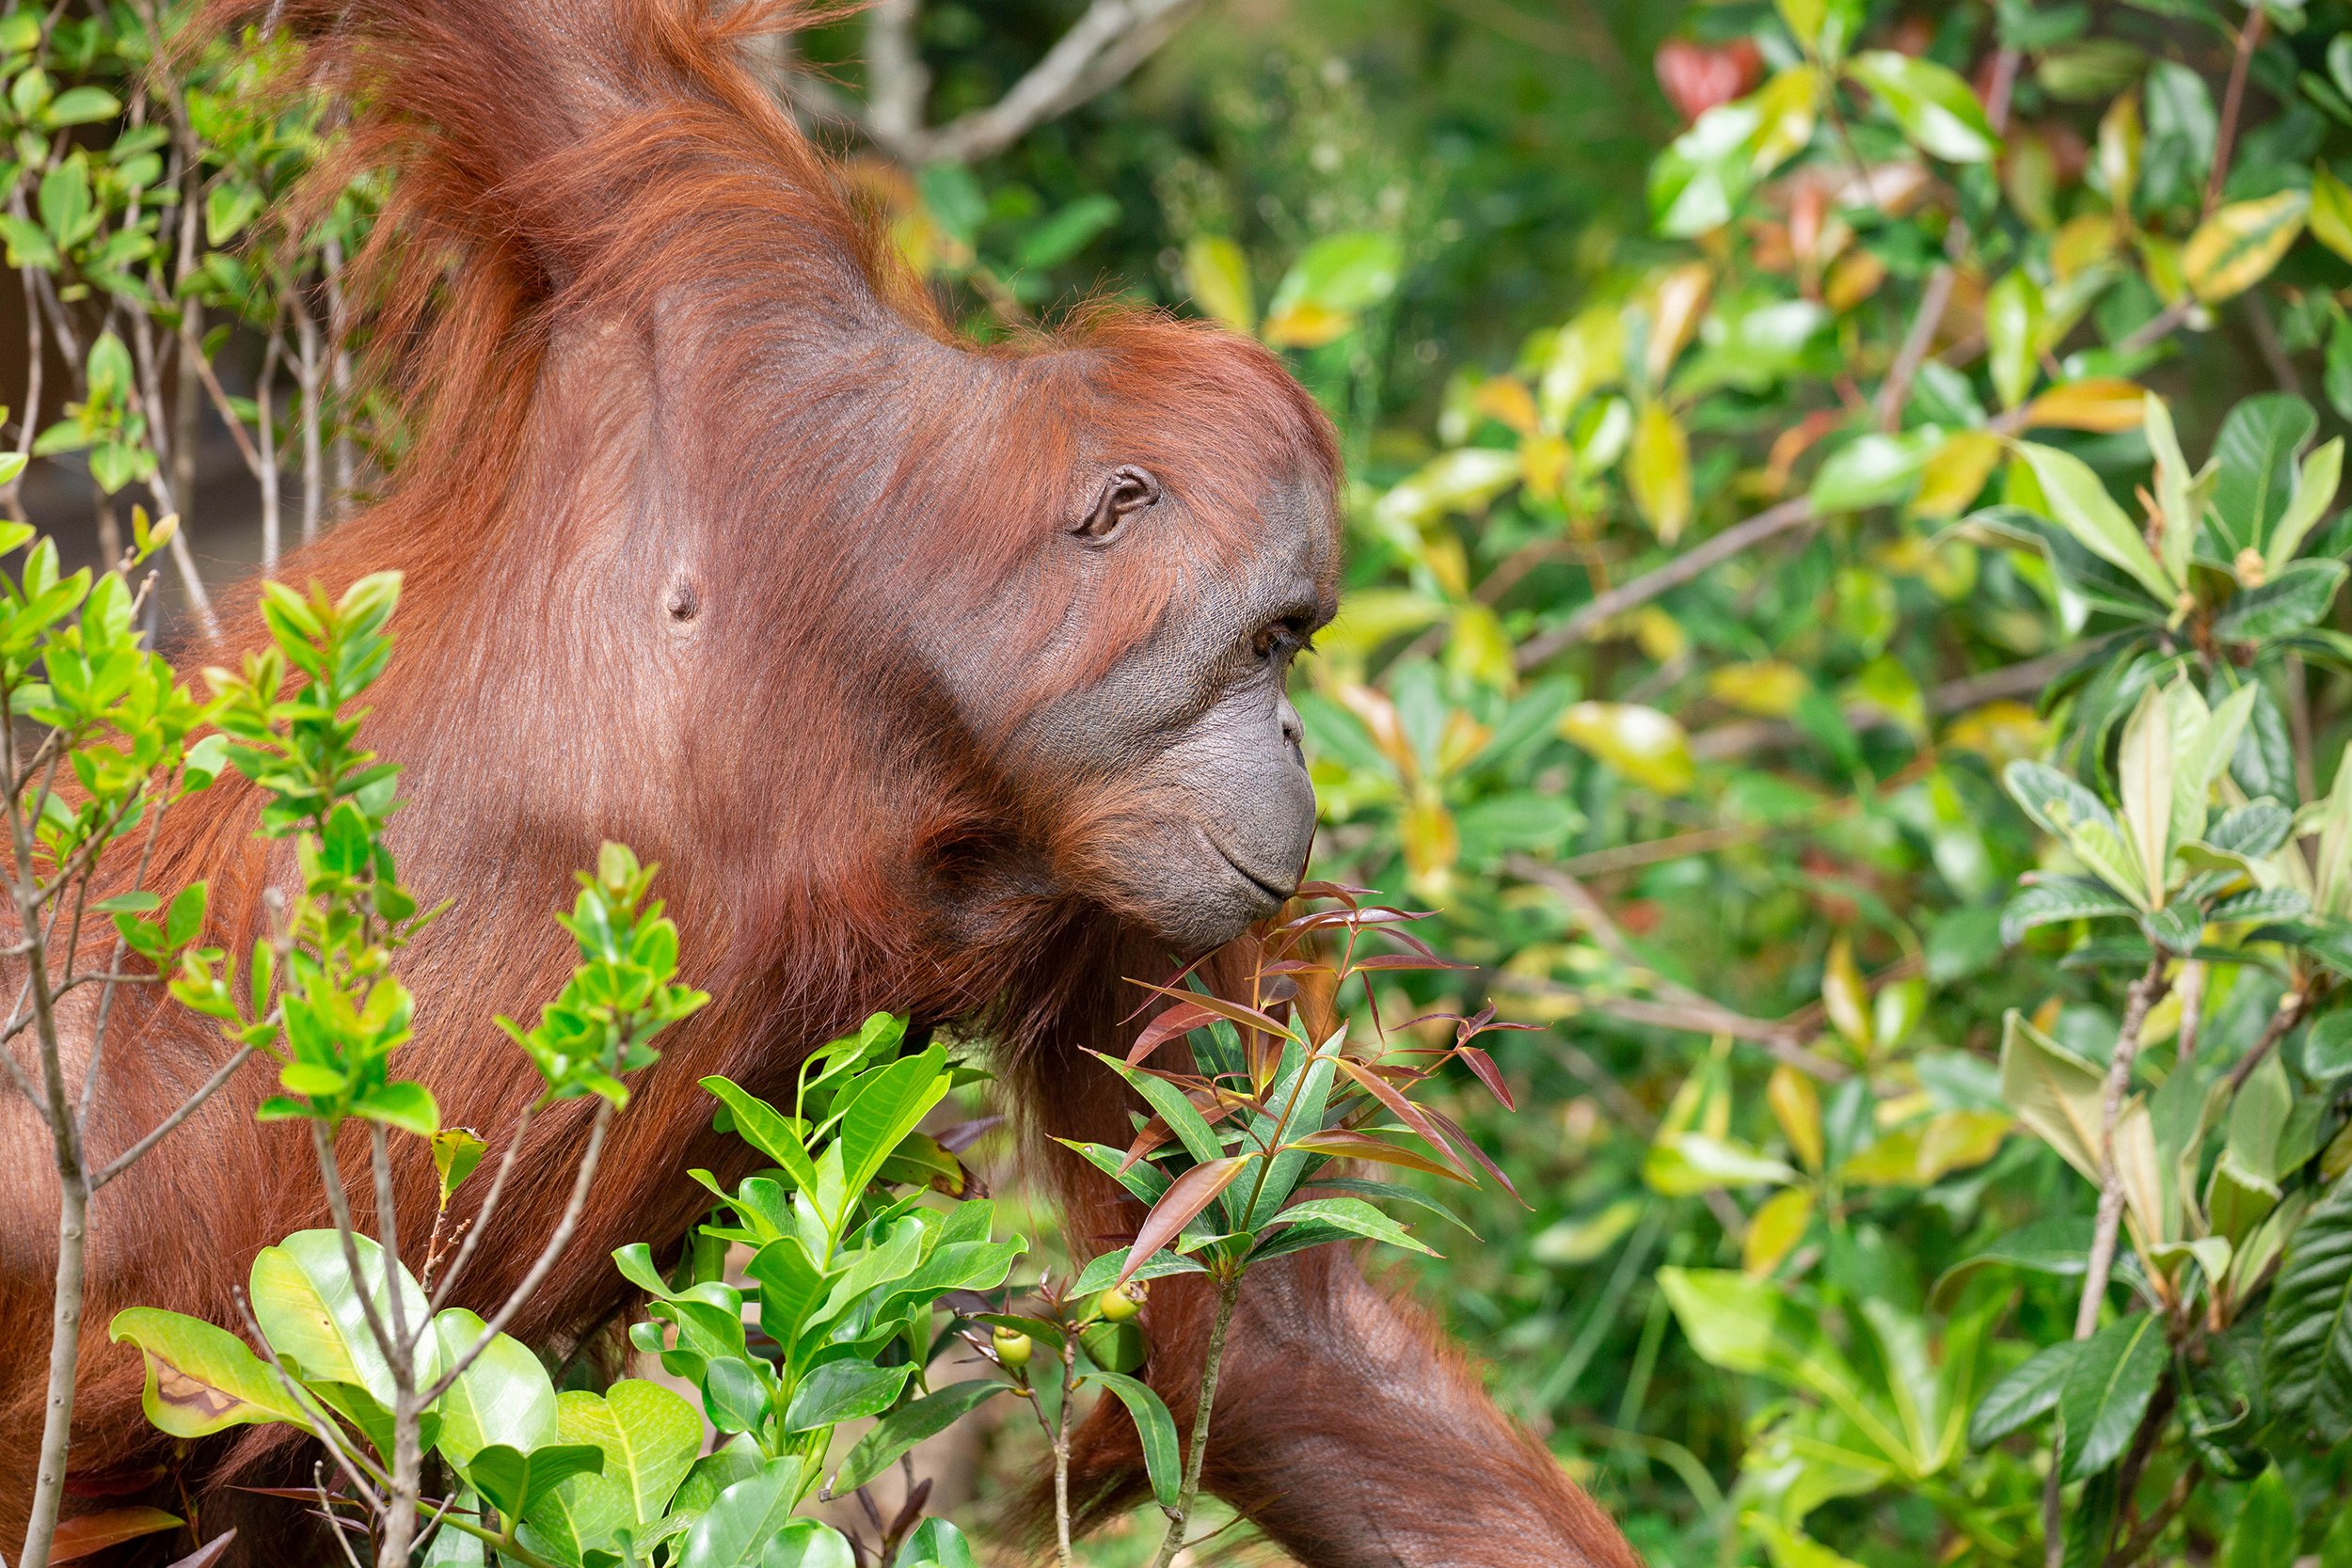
<point x="1191" y="735"/>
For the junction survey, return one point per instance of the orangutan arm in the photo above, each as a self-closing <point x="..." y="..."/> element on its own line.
<point x="1349" y="1434"/>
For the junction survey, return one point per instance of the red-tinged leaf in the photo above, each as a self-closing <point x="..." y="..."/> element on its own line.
<point x="1294" y="966"/>
<point x="1363" y="1146"/>
<point x="1400" y="1107"/>
<point x="1410" y="961"/>
<point x="1339" y="891"/>
<point x="1185" y="1197"/>
<point x="1464" y="1141"/>
<point x="87" y="1534"/>
<point x="1488" y="1074"/>
<point x="1182" y="1018"/>
<point x="208" y="1553"/>
<point x="1468" y="1028"/>
<point x="293" y="1493"/>
<point x="1233" y="1012"/>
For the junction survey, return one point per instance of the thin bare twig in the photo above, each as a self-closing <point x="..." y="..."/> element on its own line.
<point x="2144" y="994"/>
<point x="1591" y="617"/>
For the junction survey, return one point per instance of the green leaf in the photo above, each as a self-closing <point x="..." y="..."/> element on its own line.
<point x="2107" y="1391"/>
<point x="2254" y="463"/>
<point x="2054" y="1092"/>
<point x="649" y="1437"/>
<point x="309" y="1307"/>
<point x="406" y="1106"/>
<point x="1754" y="1326"/>
<point x="808" y="1543"/>
<point x="899" y="1431"/>
<point x="2298" y="597"/>
<point x="1873" y="470"/>
<point x="890" y="1104"/>
<point x="1934" y="107"/>
<point x="2058" y="898"/>
<point x="1646" y="746"/>
<point x="2012" y="332"/>
<point x="82" y="106"/>
<point x="200" y="1379"/>
<point x="1191" y="1129"/>
<point x="937" y="1544"/>
<point x="1345" y="274"/>
<point x="1103" y="1272"/>
<point x="515" y="1481"/>
<point x="2328" y="1048"/>
<point x="1064" y="234"/>
<point x="2079" y="504"/>
<point x="2307" y="1330"/>
<point x="2069" y="812"/>
<point x="504" y="1397"/>
<point x="768" y="1130"/>
<point x="2266" y="1534"/>
<point x="1356" y="1217"/>
<point x="2025" y="1396"/>
<point x="842" y="1391"/>
<point x="2316" y="485"/>
<point x="744" y="1517"/>
<point x="1157" y="1430"/>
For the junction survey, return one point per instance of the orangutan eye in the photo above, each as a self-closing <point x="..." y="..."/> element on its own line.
<point x="1284" y="637"/>
<point x="1129" y="489"/>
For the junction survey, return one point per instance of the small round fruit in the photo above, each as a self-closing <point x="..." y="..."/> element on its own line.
<point x="1014" y="1348"/>
<point x="1119" y="1304"/>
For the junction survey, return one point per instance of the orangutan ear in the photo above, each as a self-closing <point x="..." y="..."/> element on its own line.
<point x="1129" y="489"/>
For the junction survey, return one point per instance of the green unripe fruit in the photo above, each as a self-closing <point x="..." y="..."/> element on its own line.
<point x="1014" y="1348"/>
<point x="1119" y="1304"/>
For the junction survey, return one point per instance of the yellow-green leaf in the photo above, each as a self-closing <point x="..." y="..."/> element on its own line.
<point x="1642" y="743"/>
<point x="1956" y="474"/>
<point x="2331" y="210"/>
<point x="2236" y="247"/>
<point x="1777" y="1226"/>
<point x="1797" y="1106"/>
<point x="1844" y="1000"/>
<point x="1770" y="686"/>
<point x="1659" y="471"/>
<point x="1217" y="274"/>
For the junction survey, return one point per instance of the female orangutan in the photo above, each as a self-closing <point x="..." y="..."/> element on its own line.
<point x="941" y="680"/>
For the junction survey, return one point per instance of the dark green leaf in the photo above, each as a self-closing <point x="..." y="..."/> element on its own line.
<point x="2107" y="1390"/>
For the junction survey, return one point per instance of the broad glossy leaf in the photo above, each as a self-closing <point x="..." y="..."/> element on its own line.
<point x="2307" y="1331"/>
<point x="739" y="1522"/>
<point x="2316" y="485"/>
<point x="2025" y="1396"/>
<point x="515" y="1481"/>
<point x="808" y="1543"/>
<point x="2056" y="898"/>
<point x="2266" y="1533"/>
<point x="1934" y="107"/>
<point x="2080" y="504"/>
<point x="504" y="1397"/>
<point x="2059" y="1246"/>
<point x="1109" y="1269"/>
<point x="1873" y="470"/>
<point x="890" y="1104"/>
<point x="200" y="1378"/>
<point x="2297" y="598"/>
<point x="649" y="1437"/>
<point x="1776" y="1229"/>
<point x="2107" y="1391"/>
<point x="1217" y="274"/>
<point x="2236" y="247"/>
<point x="2255" y="469"/>
<point x="1753" y="1325"/>
<point x="308" y="1306"/>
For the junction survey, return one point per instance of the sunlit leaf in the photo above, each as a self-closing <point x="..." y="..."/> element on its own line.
<point x="1934" y="107"/>
<point x="1642" y="743"/>
<point x="1657" y="472"/>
